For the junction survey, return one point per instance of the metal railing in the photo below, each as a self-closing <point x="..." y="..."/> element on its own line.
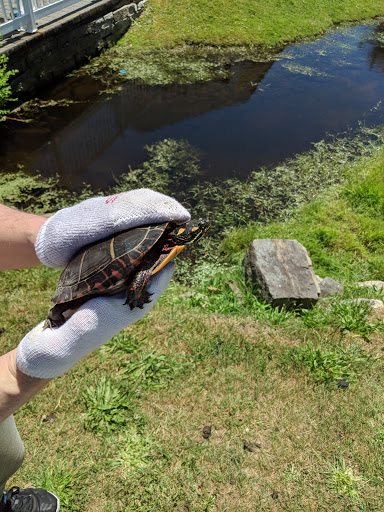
<point x="23" y="14"/>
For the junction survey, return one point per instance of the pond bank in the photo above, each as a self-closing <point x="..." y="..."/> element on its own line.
<point x="66" y="42"/>
<point x="254" y="23"/>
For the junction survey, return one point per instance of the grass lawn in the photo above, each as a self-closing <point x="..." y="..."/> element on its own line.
<point x="169" y="24"/>
<point x="212" y="403"/>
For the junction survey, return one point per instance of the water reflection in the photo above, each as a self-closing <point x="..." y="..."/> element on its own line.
<point x="98" y="139"/>
<point x="263" y="113"/>
<point x="377" y="52"/>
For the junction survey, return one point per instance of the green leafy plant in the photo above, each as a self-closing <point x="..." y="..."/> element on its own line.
<point x="63" y="480"/>
<point x="5" y="88"/>
<point x="125" y="341"/>
<point x="151" y="370"/>
<point x="343" y="479"/>
<point x="353" y="316"/>
<point x="135" y="455"/>
<point x="328" y="365"/>
<point x="108" y="407"/>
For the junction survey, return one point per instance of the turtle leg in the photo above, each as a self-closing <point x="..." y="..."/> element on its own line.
<point x="137" y="296"/>
<point x="55" y="316"/>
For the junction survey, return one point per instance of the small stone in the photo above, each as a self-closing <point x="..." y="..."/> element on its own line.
<point x="251" y="447"/>
<point x="275" y="495"/>
<point x="207" y="431"/>
<point x="329" y="287"/>
<point x="236" y="290"/>
<point x="342" y="384"/>
<point x="48" y="418"/>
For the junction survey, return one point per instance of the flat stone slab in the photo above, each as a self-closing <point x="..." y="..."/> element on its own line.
<point x="378" y="284"/>
<point x="282" y="269"/>
<point x="374" y="304"/>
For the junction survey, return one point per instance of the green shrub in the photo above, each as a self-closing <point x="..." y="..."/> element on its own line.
<point x="5" y="88"/>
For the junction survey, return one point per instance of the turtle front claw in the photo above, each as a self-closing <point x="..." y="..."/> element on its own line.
<point x="138" y="302"/>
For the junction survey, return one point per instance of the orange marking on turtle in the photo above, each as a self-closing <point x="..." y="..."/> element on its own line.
<point x="79" y="295"/>
<point x="99" y="286"/>
<point x="117" y="274"/>
<point x="106" y="276"/>
<point x="136" y="262"/>
<point x="122" y="262"/>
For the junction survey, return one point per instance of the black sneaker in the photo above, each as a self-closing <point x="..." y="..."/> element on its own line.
<point x="29" y="500"/>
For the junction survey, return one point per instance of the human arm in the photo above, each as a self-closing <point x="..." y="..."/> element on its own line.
<point x="18" y="232"/>
<point x="16" y="388"/>
<point x="44" y="354"/>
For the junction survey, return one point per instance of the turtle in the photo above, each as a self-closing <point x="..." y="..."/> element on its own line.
<point x="122" y="262"/>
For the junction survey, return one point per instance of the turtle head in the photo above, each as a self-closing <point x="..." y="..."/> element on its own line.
<point x="190" y="232"/>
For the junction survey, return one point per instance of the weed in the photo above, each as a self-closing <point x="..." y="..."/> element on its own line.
<point x="64" y="481"/>
<point x="354" y="291"/>
<point x="380" y="436"/>
<point x="347" y="315"/>
<point x="135" y="454"/>
<point x="328" y="365"/>
<point x="152" y="370"/>
<point x="353" y="316"/>
<point x="108" y="407"/>
<point x="221" y="289"/>
<point x="367" y="195"/>
<point x="318" y="316"/>
<point x="342" y="479"/>
<point x="126" y="342"/>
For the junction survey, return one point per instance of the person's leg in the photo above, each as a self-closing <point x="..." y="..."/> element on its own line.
<point x="11" y="458"/>
<point x="11" y="451"/>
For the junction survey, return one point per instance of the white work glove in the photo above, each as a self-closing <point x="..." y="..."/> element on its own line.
<point x="49" y="353"/>
<point x="63" y="234"/>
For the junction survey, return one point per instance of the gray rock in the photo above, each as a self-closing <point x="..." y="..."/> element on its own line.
<point x="378" y="284"/>
<point x="283" y="271"/>
<point x="329" y="287"/>
<point x="373" y="303"/>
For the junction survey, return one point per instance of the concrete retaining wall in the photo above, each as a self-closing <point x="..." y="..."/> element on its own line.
<point x="64" y="45"/>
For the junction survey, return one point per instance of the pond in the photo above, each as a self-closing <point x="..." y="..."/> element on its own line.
<point x="262" y="113"/>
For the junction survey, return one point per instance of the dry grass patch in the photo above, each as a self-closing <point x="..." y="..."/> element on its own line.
<point x="277" y="439"/>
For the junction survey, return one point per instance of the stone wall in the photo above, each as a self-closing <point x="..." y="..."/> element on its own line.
<point x="64" y="45"/>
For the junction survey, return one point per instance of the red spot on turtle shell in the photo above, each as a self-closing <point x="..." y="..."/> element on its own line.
<point x="117" y="274"/>
<point x="122" y="262"/>
<point x="79" y="295"/>
<point x="106" y="276"/>
<point x="99" y="286"/>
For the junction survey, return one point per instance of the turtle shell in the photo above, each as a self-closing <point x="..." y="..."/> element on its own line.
<point x="107" y="266"/>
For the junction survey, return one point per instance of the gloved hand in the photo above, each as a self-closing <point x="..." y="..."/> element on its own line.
<point x="63" y="234"/>
<point x="49" y="353"/>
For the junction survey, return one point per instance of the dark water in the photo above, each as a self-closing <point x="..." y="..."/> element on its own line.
<point x="263" y="113"/>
